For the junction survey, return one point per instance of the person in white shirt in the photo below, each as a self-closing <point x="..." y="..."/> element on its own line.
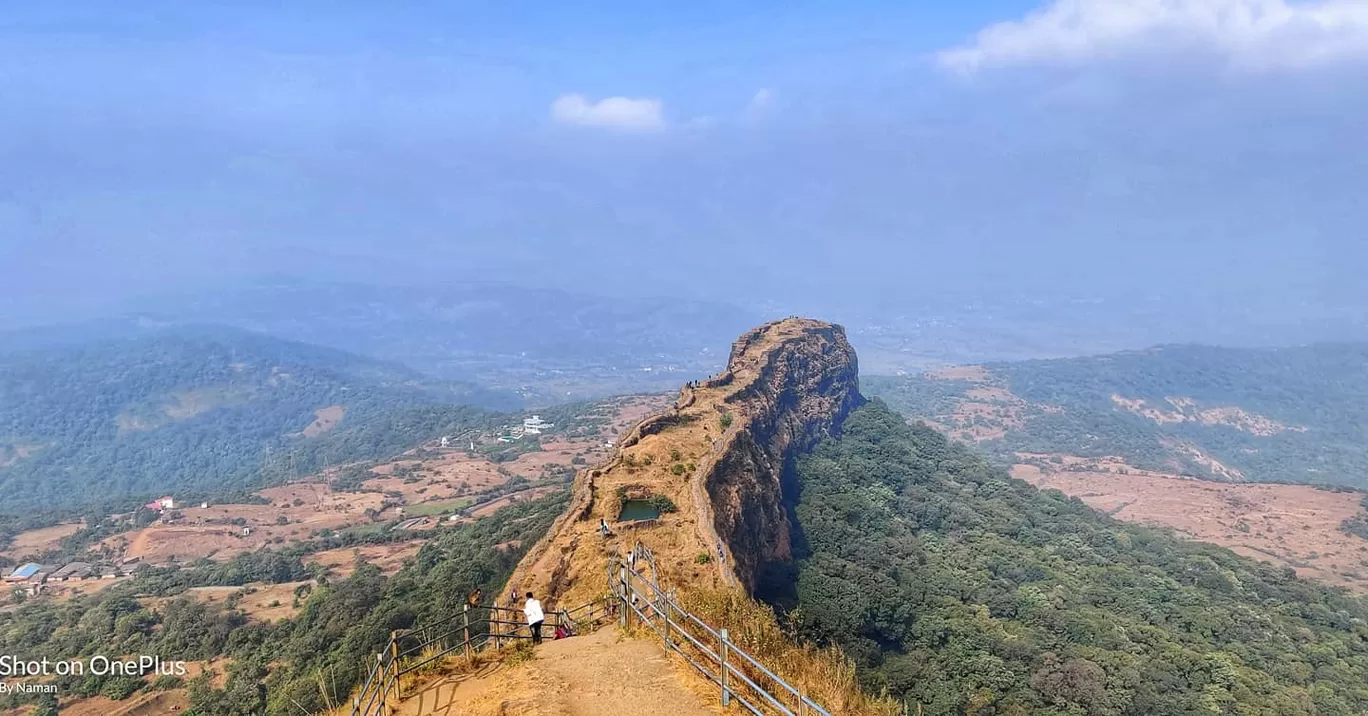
<point x="533" y="610"/>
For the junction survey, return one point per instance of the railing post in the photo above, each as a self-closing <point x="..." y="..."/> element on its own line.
<point x="394" y="662"/>
<point x="726" y="694"/>
<point x="626" y="599"/>
<point x="493" y="625"/>
<point x="666" y="616"/>
<point x="465" y="628"/>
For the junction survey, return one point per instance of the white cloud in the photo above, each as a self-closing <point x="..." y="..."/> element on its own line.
<point x="622" y="113"/>
<point x="763" y="100"/>
<point x="1251" y="34"/>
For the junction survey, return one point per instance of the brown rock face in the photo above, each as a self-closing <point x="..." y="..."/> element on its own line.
<point x="799" y="379"/>
<point x="721" y="455"/>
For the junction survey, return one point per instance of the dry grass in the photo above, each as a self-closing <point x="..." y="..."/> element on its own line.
<point x="824" y="675"/>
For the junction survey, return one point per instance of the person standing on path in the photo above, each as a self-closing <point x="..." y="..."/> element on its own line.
<point x="533" y="610"/>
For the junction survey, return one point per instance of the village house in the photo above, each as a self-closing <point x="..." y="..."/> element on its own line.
<point x="73" y="571"/>
<point x="535" y="425"/>
<point x="161" y="503"/>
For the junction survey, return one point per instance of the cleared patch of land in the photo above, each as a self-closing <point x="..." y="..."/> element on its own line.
<point x="1290" y="525"/>
<point x="1186" y="410"/>
<point x="156" y="703"/>
<point x="325" y="419"/>
<point x="40" y="540"/>
<point x="12" y="453"/>
<point x="260" y="601"/>
<point x="971" y="373"/>
<point x="221" y="531"/>
<point x="388" y="557"/>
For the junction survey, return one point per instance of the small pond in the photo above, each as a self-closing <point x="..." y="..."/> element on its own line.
<point x="634" y="510"/>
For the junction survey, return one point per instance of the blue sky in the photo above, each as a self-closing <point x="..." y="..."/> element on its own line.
<point x="804" y="150"/>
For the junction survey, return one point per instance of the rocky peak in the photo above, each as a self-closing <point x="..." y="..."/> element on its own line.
<point x="721" y="455"/>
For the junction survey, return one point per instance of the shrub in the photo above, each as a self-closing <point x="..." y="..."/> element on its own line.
<point x="663" y="504"/>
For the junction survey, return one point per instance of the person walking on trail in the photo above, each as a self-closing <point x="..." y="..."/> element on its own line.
<point x="533" y="610"/>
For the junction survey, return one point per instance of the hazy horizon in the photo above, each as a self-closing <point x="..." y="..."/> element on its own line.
<point x="857" y="161"/>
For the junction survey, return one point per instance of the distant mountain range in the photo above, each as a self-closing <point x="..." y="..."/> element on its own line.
<point x="549" y="345"/>
<point x="203" y="409"/>
<point x="1285" y="415"/>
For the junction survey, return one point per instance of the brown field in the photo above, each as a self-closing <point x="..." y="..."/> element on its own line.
<point x="1288" y="525"/>
<point x="632" y="410"/>
<point x="257" y="604"/>
<point x="971" y="373"/>
<point x="205" y="532"/>
<point x="325" y="419"/>
<point x="146" y="704"/>
<point x="388" y="557"/>
<point x="309" y="506"/>
<point x="494" y="506"/>
<point x="142" y="704"/>
<point x="38" y="541"/>
<point x="64" y="591"/>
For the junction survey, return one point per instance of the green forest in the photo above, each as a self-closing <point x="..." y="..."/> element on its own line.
<point x="198" y="409"/>
<point x="964" y="591"/>
<point x="293" y="666"/>
<point x="1319" y="393"/>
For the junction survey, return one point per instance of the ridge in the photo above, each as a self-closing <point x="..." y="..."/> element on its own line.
<point x="714" y="464"/>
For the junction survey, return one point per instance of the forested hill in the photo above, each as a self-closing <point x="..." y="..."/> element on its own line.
<point x="962" y="591"/>
<point x="1278" y="415"/>
<point x="201" y="409"/>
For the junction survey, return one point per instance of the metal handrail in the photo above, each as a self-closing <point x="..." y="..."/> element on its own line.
<point x="661" y="611"/>
<point x="630" y="593"/>
<point x="383" y="679"/>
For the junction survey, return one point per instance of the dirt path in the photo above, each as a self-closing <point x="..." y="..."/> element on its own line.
<point x="599" y="674"/>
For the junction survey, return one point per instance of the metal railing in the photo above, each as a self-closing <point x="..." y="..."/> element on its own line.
<point x="474" y="629"/>
<point x="739" y="676"/>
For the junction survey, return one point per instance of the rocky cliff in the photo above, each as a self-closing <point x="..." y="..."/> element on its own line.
<point x="719" y="456"/>
<point x="795" y="382"/>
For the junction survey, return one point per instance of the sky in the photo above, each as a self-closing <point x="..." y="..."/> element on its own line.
<point x="814" y="153"/>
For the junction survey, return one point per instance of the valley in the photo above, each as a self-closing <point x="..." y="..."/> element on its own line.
<point x="373" y="517"/>
<point x="1174" y="437"/>
<point x="1296" y="415"/>
<point x="874" y="562"/>
<point x="1295" y="526"/>
<point x="416" y="491"/>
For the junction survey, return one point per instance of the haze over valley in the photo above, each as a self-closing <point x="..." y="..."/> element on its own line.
<point x="862" y="359"/>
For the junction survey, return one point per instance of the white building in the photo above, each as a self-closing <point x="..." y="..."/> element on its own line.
<point x="534" y="425"/>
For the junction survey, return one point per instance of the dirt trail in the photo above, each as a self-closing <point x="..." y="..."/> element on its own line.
<point x="601" y="674"/>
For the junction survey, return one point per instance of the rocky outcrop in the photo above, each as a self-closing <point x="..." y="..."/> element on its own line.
<point x="797" y="380"/>
<point x="721" y="454"/>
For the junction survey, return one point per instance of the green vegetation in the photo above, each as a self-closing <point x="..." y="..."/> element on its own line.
<point x="663" y="504"/>
<point x="427" y="509"/>
<point x="1358" y="524"/>
<point x="198" y="410"/>
<point x="962" y="590"/>
<point x="275" y="668"/>
<point x="1319" y="394"/>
